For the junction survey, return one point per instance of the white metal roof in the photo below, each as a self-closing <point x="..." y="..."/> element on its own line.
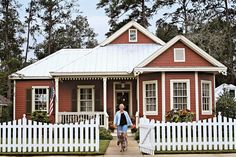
<point x="41" y="68"/>
<point x="223" y="87"/>
<point x="112" y="58"/>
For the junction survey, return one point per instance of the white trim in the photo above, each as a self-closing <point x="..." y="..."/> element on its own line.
<point x="137" y="93"/>
<point x="176" y="49"/>
<point x="136" y="32"/>
<point x="33" y="97"/>
<point x="29" y="77"/>
<point x="187" y="81"/>
<point x="188" y="43"/>
<point x="90" y="73"/>
<point x="173" y="69"/>
<point x="78" y="96"/>
<point x="105" y="94"/>
<point x="163" y="88"/>
<point x="126" y="27"/>
<point x="144" y="96"/>
<point x="123" y="90"/>
<point x="214" y="87"/>
<point x="210" y="94"/>
<point x="14" y="100"/>
<point x="196" y="95"/>
<point x="56" y="99"/>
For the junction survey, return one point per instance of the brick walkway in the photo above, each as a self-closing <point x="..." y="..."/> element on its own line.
<point x="114" y="151"/>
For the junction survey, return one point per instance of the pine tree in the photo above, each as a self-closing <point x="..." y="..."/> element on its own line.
<point x="11" y="43"/>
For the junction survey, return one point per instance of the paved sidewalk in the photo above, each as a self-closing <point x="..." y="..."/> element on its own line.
<point x="114" y="151"/>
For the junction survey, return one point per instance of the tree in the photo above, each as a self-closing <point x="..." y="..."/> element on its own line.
<point x="122" y="11"/>
<point x="52" y="13"/>
<point x="31" y="26"/>
<point x="11" y="43"/>
<point x="76" y="34"/>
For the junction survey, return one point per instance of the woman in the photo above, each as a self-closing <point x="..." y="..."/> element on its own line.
<point x="122" y="121"/>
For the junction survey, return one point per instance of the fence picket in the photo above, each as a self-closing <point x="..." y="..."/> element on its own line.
<point x="81" y="130"/>
<point x="19" y="136"/>
<point x="230" y="122"/>
<point x="189" y="136"/>
<point x="234" y="133"/>
<point x="179" y="136"/>
<point x="163" y="133"/>
<point x="215" y="133"/>
<point x="158" y="139"/>
<point x="14" y="127"/>
<point x="199" y="126"/>
<point x="92" y="135"/>
<point x="86" y="136"/>
<point x="220" y="132"/>
<point x="50" y="144"/>
<point x="35" y="136"/>
<point x="210" y="134"/>
<point x="9" y="128"/>
<point x="184" y="136"/>
<point x="76" y="135"/>
<point x="60" y="137"/>
<point x="29" y="143"/>
<point x="65" y="127"/>
<point x="225" y="133"/>
<point x="174" y="136"/>
<point x="45" y="134"/>
<point x="194" y="136"/>
<point x="71" y="133"/>
<point x="168" y="136"/>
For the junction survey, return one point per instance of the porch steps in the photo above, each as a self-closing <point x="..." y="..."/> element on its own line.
<point x="114" y="134"/>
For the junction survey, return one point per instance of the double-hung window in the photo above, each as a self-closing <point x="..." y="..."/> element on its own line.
<point x="150" y="97"/>
<point x="133" y="35"/>
<point x="85" y="98"/>
<point x="40" y="98"/>
<point x="206" y="97"/>
<point x="180" y="94"/>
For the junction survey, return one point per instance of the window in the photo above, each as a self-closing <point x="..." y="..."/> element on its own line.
<point x="86" y="98"/>
<point x="232" y="93"/>
<point x="150" y="97"/>
<point x="180" y="94"/>
<point x="179" y="55"/>
<point x="40" y="98"/>
<point x="206" y="97"/>
<point x="133" y="35"/>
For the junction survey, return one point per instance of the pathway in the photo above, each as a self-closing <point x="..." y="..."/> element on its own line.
<point x="114" y="151"/>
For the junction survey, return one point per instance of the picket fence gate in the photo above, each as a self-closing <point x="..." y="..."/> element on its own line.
<point x="217" y="133"/>
<point x="24" y="135"/>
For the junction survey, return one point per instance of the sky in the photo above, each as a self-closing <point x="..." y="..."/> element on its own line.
<point x="96" y="18"/>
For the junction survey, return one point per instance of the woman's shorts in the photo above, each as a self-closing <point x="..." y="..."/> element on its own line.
<point x="122" y="128"/>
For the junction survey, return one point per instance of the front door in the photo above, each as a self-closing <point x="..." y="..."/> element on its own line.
<point x="122" y="97"/>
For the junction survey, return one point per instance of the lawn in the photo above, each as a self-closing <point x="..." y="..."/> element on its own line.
<point x="103" y="147"/>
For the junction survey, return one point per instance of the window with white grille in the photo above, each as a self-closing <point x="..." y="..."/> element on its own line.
<point x="206" y="97"/>
<point x="133" y="35"/>
<point x="40" y="98"/>
<point x="180" y="94"/>
<point x="179" y="55"/>
<point x="85" y="98"/>
<point x="150" y="97"/>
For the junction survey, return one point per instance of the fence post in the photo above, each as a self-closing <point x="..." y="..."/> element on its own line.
<point x="97" y="133"/>
<point x="152" y="137"/>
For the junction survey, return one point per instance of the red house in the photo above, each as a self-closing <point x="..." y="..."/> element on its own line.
<point x="132" y="66"/>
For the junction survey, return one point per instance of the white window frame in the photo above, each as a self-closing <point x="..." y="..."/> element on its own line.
<point x="187" y="81"/>
<point x="144" y="97"/>
<point x="136" y="32"/>
<point x="78" y="96"/>
<point x="33" y="97"/>
<point x="175" y="49"/>
<point x="210" y="94"/>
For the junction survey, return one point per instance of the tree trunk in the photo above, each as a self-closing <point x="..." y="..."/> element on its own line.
<point x="185" y="16"/>
<point x="143" y="14"/>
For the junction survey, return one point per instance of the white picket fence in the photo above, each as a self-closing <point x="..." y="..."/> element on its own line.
<point x="29" y="136"/>
<point x="218" y="133"/>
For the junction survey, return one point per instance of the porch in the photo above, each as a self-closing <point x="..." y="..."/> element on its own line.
<point x="83" y="98"/>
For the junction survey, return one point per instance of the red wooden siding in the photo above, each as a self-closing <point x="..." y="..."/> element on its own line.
<point x="21" y="87"/>
<point x="167" y="58"/>
<point x="208" y="77"/>
<point x="148" y="77"/>
<point x="124" y="38"/>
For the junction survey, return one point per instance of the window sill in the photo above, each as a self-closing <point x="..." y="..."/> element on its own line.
<point x="206" y="113"/>
<point x="151" y="113"/>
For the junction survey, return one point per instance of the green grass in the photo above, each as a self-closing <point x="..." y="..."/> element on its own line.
<point x="102" y="149"/>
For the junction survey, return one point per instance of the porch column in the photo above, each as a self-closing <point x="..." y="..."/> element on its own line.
<point x="56" y="99"/>
<point x="163" y="88"/>
<point x="105" y="94"/>
<point x="196" y="96"/>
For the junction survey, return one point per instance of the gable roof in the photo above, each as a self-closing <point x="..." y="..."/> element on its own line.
<point x="190" y="44"/>
<point x="126" y="27"/>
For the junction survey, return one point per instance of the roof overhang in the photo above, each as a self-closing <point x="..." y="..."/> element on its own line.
<point x="138" y="71"/>
<point x="20" y="77"/>
<point x="54" y="74"/>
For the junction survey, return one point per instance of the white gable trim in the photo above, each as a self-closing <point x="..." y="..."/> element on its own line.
<point x="126" y="27"/>
<point x="189" y="44"/>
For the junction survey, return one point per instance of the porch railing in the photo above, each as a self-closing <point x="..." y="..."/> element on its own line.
<point x="73" y="117"/>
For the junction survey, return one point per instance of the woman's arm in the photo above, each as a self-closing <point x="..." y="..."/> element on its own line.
<point x="129" y="122"/>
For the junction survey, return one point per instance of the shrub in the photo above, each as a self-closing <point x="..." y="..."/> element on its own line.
<point x="226" y="105"/>
<point x="136" y="135"/>
<point x="40" y="116"/>
<point x="179" y="115"/>
<point x="105" y="134"/>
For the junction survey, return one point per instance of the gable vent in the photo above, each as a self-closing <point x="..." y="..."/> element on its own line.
<point x="179" y="55"/>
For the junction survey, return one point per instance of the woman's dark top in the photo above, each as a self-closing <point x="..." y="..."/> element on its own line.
<point x="123" y="119"/>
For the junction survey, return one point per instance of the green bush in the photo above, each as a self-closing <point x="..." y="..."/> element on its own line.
<point x="105" y="134"/>
<point x="179" y="116"/>
<point x="40" y="116"/>
<point x="136" y="135"/>
<point x="226" y="105"/>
